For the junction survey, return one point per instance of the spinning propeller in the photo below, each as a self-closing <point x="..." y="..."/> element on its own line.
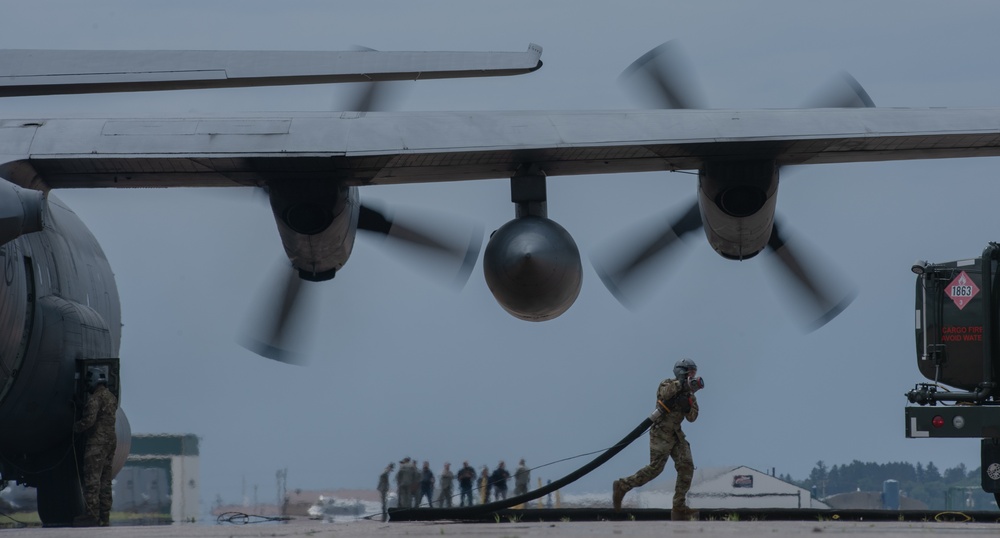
<point x="445" y="249"/>
<point x="664" y="79"/>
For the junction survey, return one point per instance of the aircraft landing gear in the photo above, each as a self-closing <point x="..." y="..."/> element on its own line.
<point x="59" y="493"/>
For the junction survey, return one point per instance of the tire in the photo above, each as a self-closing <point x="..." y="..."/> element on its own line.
<point x="59" y="494"/>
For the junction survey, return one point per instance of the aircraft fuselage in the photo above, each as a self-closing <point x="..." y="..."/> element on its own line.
<point x="58" y="303"/>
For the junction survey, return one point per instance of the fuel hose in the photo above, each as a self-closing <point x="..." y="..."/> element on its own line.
<point x="478" y="511"/>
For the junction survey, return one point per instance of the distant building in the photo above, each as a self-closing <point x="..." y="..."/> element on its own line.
<point x="739" y="487"/>
<point x="161" y="476"/>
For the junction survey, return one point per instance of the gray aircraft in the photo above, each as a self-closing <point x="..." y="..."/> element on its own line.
<point x="59" y="300"/>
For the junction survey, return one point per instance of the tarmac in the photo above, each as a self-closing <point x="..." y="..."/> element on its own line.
<point x="524" y="529"/>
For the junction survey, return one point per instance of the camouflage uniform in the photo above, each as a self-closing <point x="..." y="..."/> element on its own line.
<point x="98" y="423"/>
<point x="415" y="476"/>
<point x="403" y="482"/>
<point x="522" y="479"/>
<point x="667" y="440"/>
<point x="447" y="479"/>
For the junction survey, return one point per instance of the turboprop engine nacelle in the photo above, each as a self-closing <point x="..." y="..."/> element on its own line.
<point x="737" y="201"/>
<point x="20" y="211"/>
<point x="532" y="266"/>
<point x="317" y="222"/>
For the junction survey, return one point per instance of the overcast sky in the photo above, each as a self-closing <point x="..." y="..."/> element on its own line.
<point x="403" y="367"/>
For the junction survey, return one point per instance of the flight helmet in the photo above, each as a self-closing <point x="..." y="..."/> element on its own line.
<point x="97" y="375"/>
<point x="682" y="367"/>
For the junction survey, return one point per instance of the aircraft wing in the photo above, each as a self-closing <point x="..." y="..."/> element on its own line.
<point x="387" y="148"/>
<point x="50" y="72"/>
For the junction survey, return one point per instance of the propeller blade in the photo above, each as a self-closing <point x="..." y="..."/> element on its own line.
<point x="664" y="78"/>
<point x="822" y="303"/>
<point x="824" y="295"/>
<point x="452" y="250"/>
<point x="271" y="336"/>
<point x="369" y="96"/>
<point x="625" y="270"/>
<point x="842" y="91"/>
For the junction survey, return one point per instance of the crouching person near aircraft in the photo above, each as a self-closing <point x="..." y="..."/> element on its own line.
<point x="98" y="424"/>
<point x="675" y="401"/>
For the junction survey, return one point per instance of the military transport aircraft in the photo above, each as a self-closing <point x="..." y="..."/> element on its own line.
<point x="59" y="300"/>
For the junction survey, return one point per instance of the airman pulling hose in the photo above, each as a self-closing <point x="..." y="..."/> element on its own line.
<point x="478" y="511"/>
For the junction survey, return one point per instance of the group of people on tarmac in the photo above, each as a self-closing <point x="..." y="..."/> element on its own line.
<point x="414" y="485"/>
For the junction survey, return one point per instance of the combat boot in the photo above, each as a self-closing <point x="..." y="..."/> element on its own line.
<point x="682" y="513"/>
<point x="85" y="520"/>
<point x="617" y="494"/>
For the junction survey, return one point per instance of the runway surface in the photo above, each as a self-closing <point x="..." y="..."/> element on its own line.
<point x="522" y="529"/>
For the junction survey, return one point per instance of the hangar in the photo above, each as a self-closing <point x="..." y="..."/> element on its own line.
<point x="730" y="487"/>
<point x="160" y="477"/>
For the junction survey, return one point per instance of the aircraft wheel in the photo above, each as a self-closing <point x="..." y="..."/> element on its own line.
<point x="59" y="494"/>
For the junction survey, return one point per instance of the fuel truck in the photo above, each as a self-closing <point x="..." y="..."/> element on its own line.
<point x="958" y="350"/>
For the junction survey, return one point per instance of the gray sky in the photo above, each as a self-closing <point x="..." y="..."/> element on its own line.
<point x="402" y="367"/>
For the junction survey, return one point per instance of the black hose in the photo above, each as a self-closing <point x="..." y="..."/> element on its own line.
<point x="476" y="512"/>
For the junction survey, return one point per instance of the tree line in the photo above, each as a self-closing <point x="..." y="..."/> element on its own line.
<point x="956" y="488"/>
